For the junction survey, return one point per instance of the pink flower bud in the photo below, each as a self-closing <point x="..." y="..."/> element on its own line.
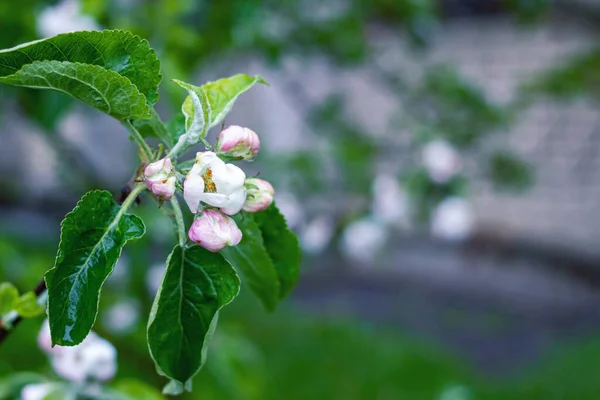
<point x="160" y="178"/>
<point x="238" y="142"/>
<point x="213" y="231"/>
<point x="259" y="195"/>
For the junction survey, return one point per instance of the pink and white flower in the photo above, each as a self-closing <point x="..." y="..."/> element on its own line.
<point x="215" y="183"/>
<point x="161" y="179"/>
<point x="238" y="142"/>
<point x="214" y="231"/>
<point x="259" y="195"/>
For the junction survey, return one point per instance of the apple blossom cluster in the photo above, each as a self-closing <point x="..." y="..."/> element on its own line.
<point x="213" y="189"/>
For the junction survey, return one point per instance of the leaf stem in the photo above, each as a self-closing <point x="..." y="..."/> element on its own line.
<point x="179" y="221"/>
<point x="146" y="151"/>
<point x="137" y="189"/>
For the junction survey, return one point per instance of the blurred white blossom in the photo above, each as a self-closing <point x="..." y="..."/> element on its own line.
<point x="93" y="359"/>
<point x="317" y="234"/>
<point x="455" y="393"/>
<point x="390" y="202"/>
<point x="120" y="275"/>
<point x="154" y="277"/>
<point x="453" y="219"/>
<point x="290" y="208"/>
<point x="441" y="161"/>
<point x="122" y="317"/>
<point x="363" y="239"/>
<point x="64" y="17"/>
<point x="36" y="391"/>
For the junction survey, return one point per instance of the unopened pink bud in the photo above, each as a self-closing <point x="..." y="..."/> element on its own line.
<point x="160" y="178"/>
<point x="238" y="142"/>
<point x="214" y="230"/>
<point x="259" y="195"/>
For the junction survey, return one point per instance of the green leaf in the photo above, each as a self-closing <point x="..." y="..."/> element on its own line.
<point x="223" y="93"/>
<point x="196" y="123"/>
<point x="133" y="389"/>
<point x="28" y="307"/>
<point x="113" y="50"/>
<point x="282" y="246"/>
<point x="251" y="258"/>
<point x="9" y="296"/>
<point x="220" y="96"/>
<point x="92" y="237"/>
<point x="196" y="285"/>
<point x="105" y="90"/>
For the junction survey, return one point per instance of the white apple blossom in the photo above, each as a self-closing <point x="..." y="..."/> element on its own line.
<point x="290" y="208"/>
<point x="441" y="160"/>
<point x="154" y="277"/>
<point x="215" y="183"/>
<point x="317" y="234"/>
<point x="64" y="17"/>
<point x="453" y="219"/>
<point x="36" y="391"/>
<point x="363" y="239"/>
<point x="390" y="203"/>
<point x="93" y="359"/>
<point x="122" y="317"/>
<point x="214" y="231"/>
<point x="160" y="178"/>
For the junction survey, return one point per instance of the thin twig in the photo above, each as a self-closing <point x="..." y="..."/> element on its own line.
<point x="145" y="150"/>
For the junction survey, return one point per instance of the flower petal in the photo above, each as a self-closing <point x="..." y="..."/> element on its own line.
<point x="193" y="189"/>
<point x="228" y="178"/>
<point x="236" y="202"/>
<point x="215" y="199"/>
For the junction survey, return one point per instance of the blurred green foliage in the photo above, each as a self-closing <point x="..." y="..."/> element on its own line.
<point x="508" y="172"/>
<point x="264" y="356"/>
<point x="574" y="77"/>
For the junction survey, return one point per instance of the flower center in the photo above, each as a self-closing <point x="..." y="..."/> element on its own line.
<point x="209" y="185"/>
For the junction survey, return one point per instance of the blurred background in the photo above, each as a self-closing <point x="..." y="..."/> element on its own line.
<point x="439" y="160"/>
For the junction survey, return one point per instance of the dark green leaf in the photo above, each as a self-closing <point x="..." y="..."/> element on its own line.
<point x="114" y="50"/>
<point x="197" y="284"/>
<point x="92" y="237"/>
<point x="251" y="258"/>
<point x="102" y="89"/>
<point x="282" y="246"/>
